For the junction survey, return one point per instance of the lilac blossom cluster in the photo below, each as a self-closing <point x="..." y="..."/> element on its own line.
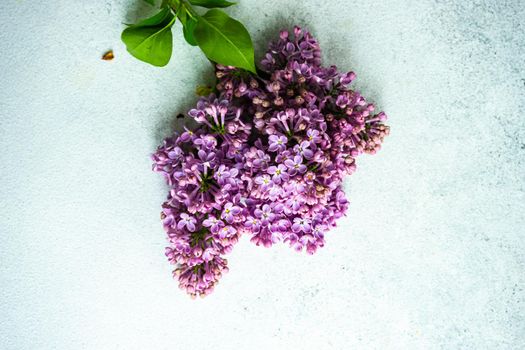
<point x="267" y="159"/>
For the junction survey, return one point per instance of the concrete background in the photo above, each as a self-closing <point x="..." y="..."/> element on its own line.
<point x="431" y="255"/>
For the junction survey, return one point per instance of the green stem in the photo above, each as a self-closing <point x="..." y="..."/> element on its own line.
<point x="189" y="10"/>
<point x="180" y="5"/>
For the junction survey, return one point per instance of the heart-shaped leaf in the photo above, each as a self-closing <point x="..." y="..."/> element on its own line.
<point x="211" y="3"/>
<point x="151" y="40"/>
<point x="225" y="40"/>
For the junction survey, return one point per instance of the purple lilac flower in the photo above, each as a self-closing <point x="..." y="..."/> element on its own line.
<point x="301" y="224"/>
<point x="206" y="141"/>
<point x="264" y="182"/>
<point x="313" y="137"/>
<point x="252" y="224"/>
<point x="229" y="212"/>
<point x="277" y="143"/>
<point x="295" y="165"/>
<point x="208" y="254"/>
<point x="200" y="280"/>
<point x="226" y="232"/>
<point x="279" y="173"/>
<point x="304" y="150"/>
<point x="267" y="159"/>
<point x="213" y="223"/>
<point x="187" y="221"/>
<point x="224" y="175"/>
<point x="265" y="214"/>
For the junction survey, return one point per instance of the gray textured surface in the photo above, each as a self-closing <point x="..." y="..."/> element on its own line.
<point x="431" y="256"/>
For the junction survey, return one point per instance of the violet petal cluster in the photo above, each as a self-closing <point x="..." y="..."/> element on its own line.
<point x="267" y="159"/>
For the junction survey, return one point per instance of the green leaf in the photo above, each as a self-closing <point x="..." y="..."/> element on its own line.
<point x="188" y="23"/>
<point x="151" y="40"/>
<point x="211" y="3"/>
<point x="151" y="2"/>
<point x="225" y="40"/>
<point x="188" y="30"/>
<point x="162" y="16"/>
<point x="182" y="14"/>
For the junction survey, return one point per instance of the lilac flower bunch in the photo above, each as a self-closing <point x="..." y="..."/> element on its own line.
<point x="267" y="159"/>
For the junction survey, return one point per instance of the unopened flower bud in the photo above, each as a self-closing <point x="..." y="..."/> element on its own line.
<point x="231" y="128"/>
<point x="242" y="87"/>
<point x="197" y="251"/>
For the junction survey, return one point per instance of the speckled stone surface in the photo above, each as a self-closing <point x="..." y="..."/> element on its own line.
<point x="431" y="255"/>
